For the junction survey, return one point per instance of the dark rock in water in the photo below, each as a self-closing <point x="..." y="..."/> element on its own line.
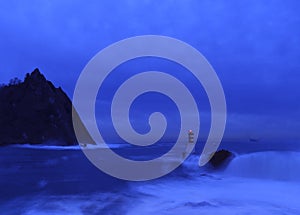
<point x="253" y="140"/>
<point x="198" y="204"/>
<point x="35" y="111"/>
<point x="221" y="158"/>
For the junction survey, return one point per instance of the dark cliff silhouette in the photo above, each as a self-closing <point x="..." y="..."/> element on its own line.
<point x="35" y="111"/>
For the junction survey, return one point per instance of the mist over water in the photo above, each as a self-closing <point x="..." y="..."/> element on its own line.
<point x="267" y="165"/>
<point x="62" y="181"/>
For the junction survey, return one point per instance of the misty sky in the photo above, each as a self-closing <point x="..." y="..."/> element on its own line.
<point x="253" y="45"/>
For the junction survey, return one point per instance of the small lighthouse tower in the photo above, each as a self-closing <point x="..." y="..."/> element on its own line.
<point x="190" y="144"/>
<point x="191" y="136"/>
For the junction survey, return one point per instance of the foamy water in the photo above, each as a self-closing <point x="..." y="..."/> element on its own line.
<point x="272" y="165"/>
<point x="74" y="147"/>
<point x="204" y="195"/>
<point x="57" y="181"/>
<point x="219" y="196"/>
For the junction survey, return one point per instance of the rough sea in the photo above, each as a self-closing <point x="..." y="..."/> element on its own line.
<point x="263" y="178"/>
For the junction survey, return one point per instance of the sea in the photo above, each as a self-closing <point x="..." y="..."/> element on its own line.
<point x="262" y="178"/>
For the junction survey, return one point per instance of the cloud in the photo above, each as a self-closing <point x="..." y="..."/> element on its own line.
<point x="254" y="46"/>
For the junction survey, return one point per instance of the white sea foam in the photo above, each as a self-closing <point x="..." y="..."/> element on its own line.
<point x="262" y="183"/>
<point x="46" y="147"/>
<point x="172" y="196"/>
<point x="219" y="196"/>
<point x="99" y="203"/>
<point x="265" y="183"/>
<point x="74" y="147"/>
<point x="266" y="165"/>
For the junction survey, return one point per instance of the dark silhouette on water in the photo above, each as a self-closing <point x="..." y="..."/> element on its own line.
<point x="221" y="158"/>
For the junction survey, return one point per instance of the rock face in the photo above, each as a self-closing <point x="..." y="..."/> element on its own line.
<point x="35" y="111"/>
<point x="221" y="158"/>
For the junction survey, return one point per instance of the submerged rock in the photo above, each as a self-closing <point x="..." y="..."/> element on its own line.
<point x="35" y="111"/>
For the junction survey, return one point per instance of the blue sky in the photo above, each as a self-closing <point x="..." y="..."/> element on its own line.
<point x="254" y="46"/>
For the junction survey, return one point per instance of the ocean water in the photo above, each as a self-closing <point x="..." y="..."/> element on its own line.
<point x="263" y="178"/>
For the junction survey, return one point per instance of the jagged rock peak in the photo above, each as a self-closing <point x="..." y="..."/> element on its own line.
<point x="36" y="75"/>
<point x="34" y="112"/>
